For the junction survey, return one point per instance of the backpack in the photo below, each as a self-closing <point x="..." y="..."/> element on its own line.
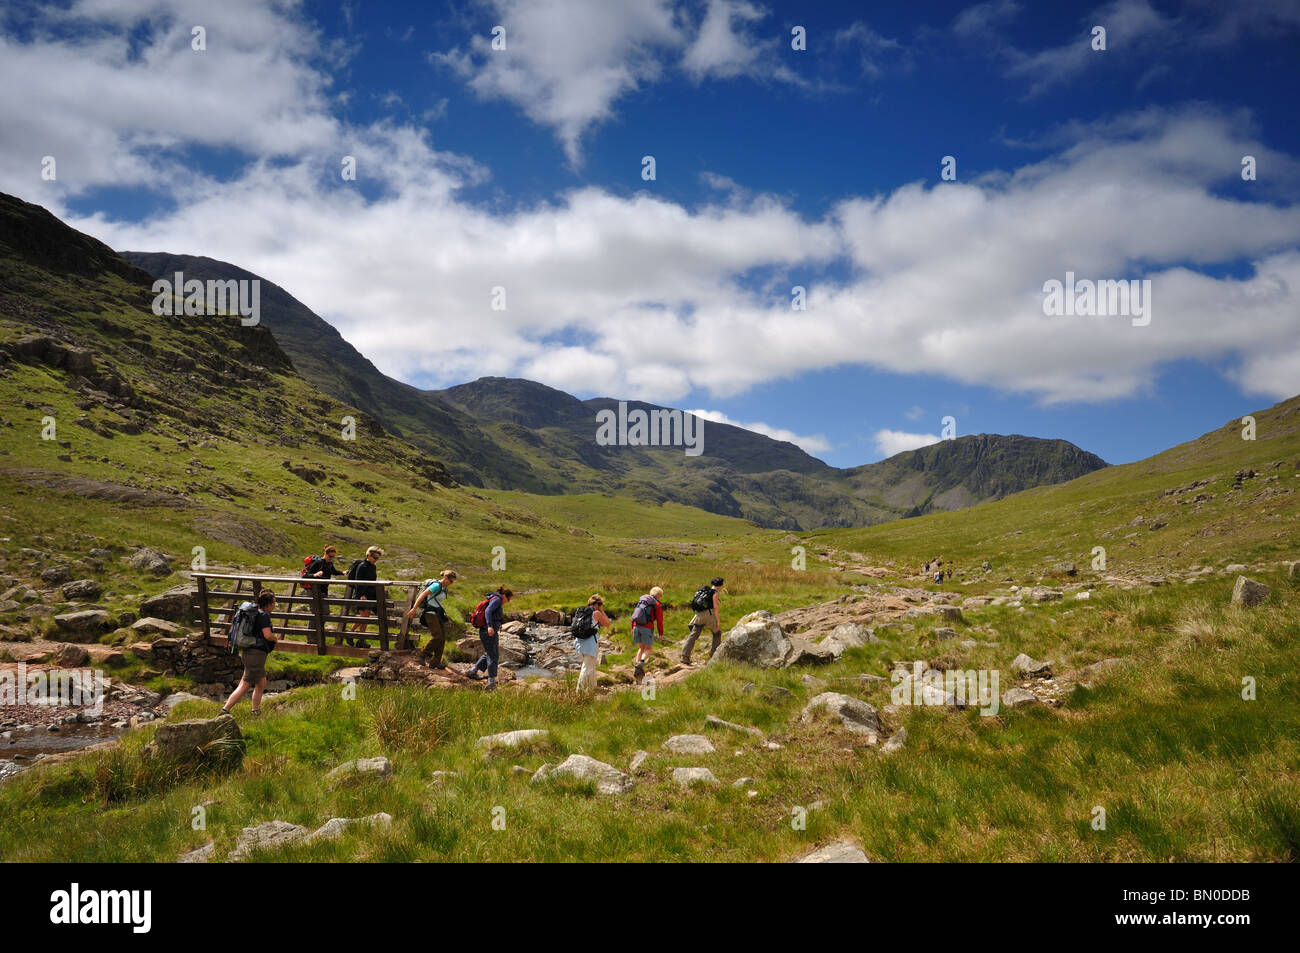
<point x="644" y="613"/>
<point x="479" y="619"/>
<point x="306" y="564"/>
<point x="243" y="629"/>
<point x="352" y="570"/>
<point x="428" y="603"/>
<point x="584" y="626"/>
<point x="702" y="601"/>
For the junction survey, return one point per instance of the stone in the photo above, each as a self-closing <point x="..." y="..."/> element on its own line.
<point x="717" y="722"/>
<point x="813" y="682"/>
<point x="361" y="768"/>
<point x="1068" y="569"/>
<point x="689" y="744"/>
<point x="176" y="604"/>
<point x="803" y="652"/>
<point x="758" y="640"/>
<point x="515" y="628"/>
<point x="853" y="713"/>
<point x="638" y="759"/>
<point x="1018" y="698"/>
<point x="177" y="698"/>
<point x="688" y="776"/>
<point x="743" y="782"/>
<point x="917" y="689"/>
<point x="82" y="590"/>
<point x="70" y="656"/>
<point x="1293" y="570"/>
<point x="848" y="635"/>
<point x="608" y="779"/>
<point x="841" y="852"/>
<point x="1027" y="666"/>
<point x="949" y="613"/>
<point x="199" y="855"/>
<point x="944" y="634"/>
<point x="151" y="626"/>
<point x="336" y="826"/>
<point x="56" y="575"/>
<point x="548" y="616"/>
<point x="1083" y="595"/>
<point x="513" y="739"/>
<point x="272" y="835"/>
<point x="1248" y="593"/>
<point x="197" y="739"/>
<point x="1235" y="567"/>
<point x="87" y="621"/>
<point x="1044" y="594"/>
<point x="152" y="560"/>
<point x="896" y="741"/>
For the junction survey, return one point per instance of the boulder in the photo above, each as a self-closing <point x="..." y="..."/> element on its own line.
<point x="197" y="739"/>
<point x="151" y="626"/>
<point x="1018" y="698"/>
<point x="896" y="742"/>
<point x="716" y="722"/>
<point x="152" y="560"/>
<point x="608" y="779"/>
<point x="1068" y="569"/>
<point x="1044" y="594"/>
<point x="638" y="759"/>
<point x="841" y="852"/>
<point x="512" y="739"/>
<point x="176" y="604"/>
<point x="1248" y="593"/>
<point x="689" y="744"/>
<point x="803" y="652"/>
<point x="757" y="639"/>
<point x="1235" y="567"/>
<point x="944" y="634"/>
<point x="272" y="835"/>
<point x="515" y="628"/>
<point x="178" y="698"/>
<point x="853" y="713"/>
<point x="85" y="622"/>
<point x="470" y="646"/>
<point x="361" y="769"/>
<point x="848" y="635"/>
<point x="1027" y="666"/>
<point x="548" y="616"/>
<point x="949" y="613"/>
<point x="56" y="575"/>
<point x="688" y="776"/>
<point x="916" y="689"/>
<point x="199" y="855"/>
<point x="82" y="590"/>
<point x="70" y="656"/>
<point x="336" y="826"/>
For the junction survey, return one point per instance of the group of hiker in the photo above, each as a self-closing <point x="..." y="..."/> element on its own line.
<point x="252" y="633"/>
<point x="940" y="574"/>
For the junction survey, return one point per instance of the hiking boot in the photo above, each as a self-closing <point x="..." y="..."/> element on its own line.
<point x="491" y="685"/>
<point x="473" y="675"/>
<point x="638" y="672"/>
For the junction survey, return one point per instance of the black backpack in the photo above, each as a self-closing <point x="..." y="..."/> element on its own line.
<point x="352" y="570"/>
<point x="584" y="626"/>
<point x="702" y="601"/>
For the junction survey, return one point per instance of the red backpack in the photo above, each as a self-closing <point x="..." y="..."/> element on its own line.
<point x="479" y="619"/>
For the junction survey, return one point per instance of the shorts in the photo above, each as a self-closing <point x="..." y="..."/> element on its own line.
<point x="254" y="665"/>
<point x="643" y="635"/>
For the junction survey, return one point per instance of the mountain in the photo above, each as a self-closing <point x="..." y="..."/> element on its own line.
<point x="521" y="435"/>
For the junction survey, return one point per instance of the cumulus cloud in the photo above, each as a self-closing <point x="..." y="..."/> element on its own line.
<point x="654" y="299"/>
<point x="891" y="442"/>
<point x="814" y="444"/>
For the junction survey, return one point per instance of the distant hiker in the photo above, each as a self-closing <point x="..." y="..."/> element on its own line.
<point x="927" y="567"/>
<point x="938" y="576"/>
<point x="586" y="639"/>
<point x="362" y="569"/>
<point x="252" y="636"/>
<point x="649" y="611"/>
<point x="707" y="616"/>
<point x="949" y="574"/>
<point x="487" y="618"/>
<point x="429" y="608"/>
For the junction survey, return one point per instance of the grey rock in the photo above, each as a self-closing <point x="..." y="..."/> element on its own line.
<point x="638" y="759"/>
<point x="1018" y="698"/>
<point x="689" y="744"/>
<point x="1025" y="665"/>
<point x="82" y="590"/>
<point x="337" y="826"/>
<point x="199" y="855"/>
<point x="271" y="835"/>
<point x="688" y="776"/>
<point x="85" y="621"/>
<point x="152" y="560"/>
<point x="513" y="739"/>
<point x="1248" y="593"/>
<point x="608" y="779"/>
<point x="717" y="722"/>
<point x="361" y="768"/>
<point x="197" y="739"/>
<point x="896" y="741"/>
<point x="853" y="713"/>
<point x="841" y="852"/>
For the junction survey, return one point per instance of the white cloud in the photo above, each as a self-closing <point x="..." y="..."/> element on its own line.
<point x="652" y="297"/>
<point x="914" y="413"/>
<point x="890" y="442"/>
<point x="814" y="444"/>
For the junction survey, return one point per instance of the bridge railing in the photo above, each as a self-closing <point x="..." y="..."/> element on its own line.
<point x="307" y="617"/>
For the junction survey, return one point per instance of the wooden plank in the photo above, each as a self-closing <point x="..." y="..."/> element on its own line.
<point x="381" y="610"/>
<point x="302" y="648"/>
<point x="403" y="634"/>
<point x="203" y="598"/>
<point x="318" y="614"/>
<point x="298" y="580"/>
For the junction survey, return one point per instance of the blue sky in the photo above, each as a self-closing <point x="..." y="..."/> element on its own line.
<point x="521" y="168"/>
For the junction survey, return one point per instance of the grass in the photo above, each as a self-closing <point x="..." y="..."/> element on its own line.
<point x="1184" y="768"/>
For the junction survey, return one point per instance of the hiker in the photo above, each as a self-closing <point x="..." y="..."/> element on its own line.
<point x="254" y="657"/>
<point x="949" y="575"/>
<point x="707" y="616"/>
<point x="362" y="569"/>
<point x="938" y="577"/>
<point x="434" y="617"/>
<point x="322" y="566"/>
<point x="649" y="611"/>
<point x="488" y="617"/>
<point x="586" y="639"/>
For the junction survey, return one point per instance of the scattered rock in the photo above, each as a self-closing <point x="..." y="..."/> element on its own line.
<point x="177" y="698"/>
<point x="271" y="835"/>
<point x="199" y="855"/>
<point x="1248" y="593"/>
<point x="87" y="621"/>
<point x="152" y="560"/>
<point x="757" y="639"/>
<point x="361" y="768"/>
<point x="151" y="626"/>
<point x="717" y="722"/>
<point x="949" y="613"/>
<point x="70" y="656"/>
<point x="176" y="604"/>
<point x="688" y="776"/>
<point x="1044" y="594"/>
<point x="197" y="739"/>
<point x="895" y="742"/>
<point x="841" y="852"/>
<point x="336" y="826"/>
<point x="1027" y="666"/>
<point x="82" y="590"/>
<point x="689" y="744"/>
<point x="512" y="739"/>
<point x="608" y="779"/>
<point x="853" y="713"/>
<point x="1018" y="698"/>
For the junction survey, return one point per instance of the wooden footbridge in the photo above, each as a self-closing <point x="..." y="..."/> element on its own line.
<point x="307" y="617"/>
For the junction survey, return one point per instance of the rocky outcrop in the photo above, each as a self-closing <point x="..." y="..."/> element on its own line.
<point x="853" y="713"/>
<point x="607" y="778"/>
<point x="1247" y="593"/>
